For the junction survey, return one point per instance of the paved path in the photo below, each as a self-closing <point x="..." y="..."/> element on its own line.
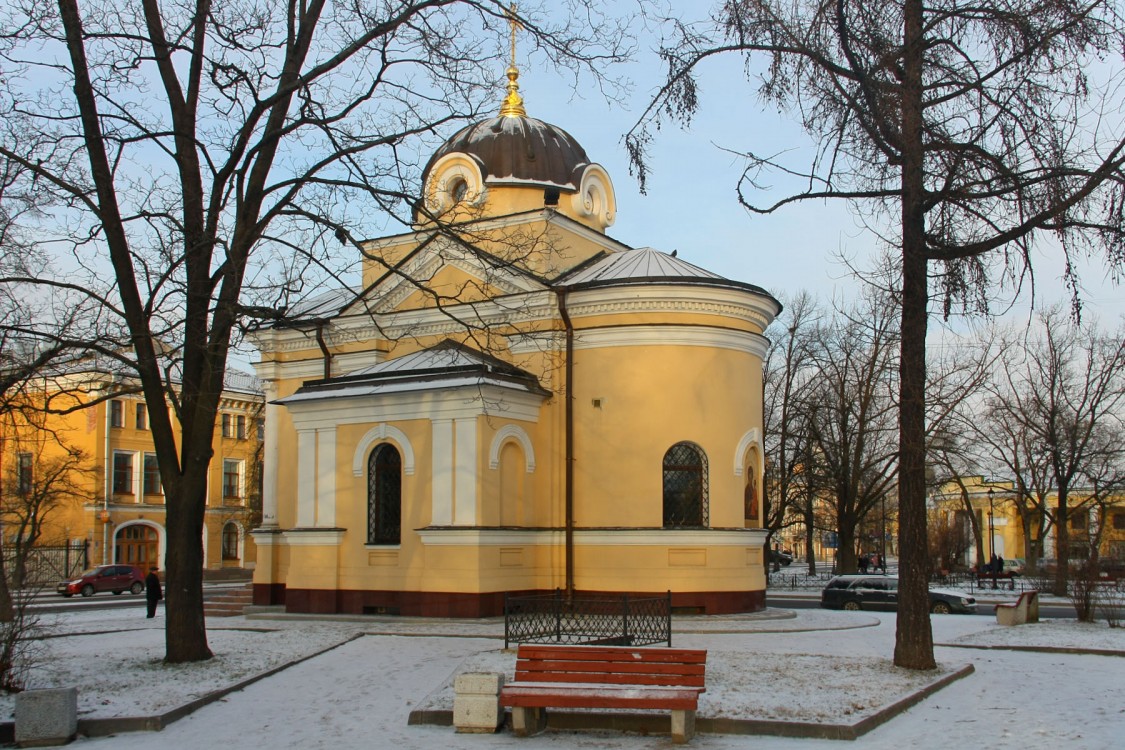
<point x="360" y="694"/>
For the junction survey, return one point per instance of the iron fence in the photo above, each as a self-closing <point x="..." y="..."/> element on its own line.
<point x="588" y="619"/>
<point x="46" y="566"/>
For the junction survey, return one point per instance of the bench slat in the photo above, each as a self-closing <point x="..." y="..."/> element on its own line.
<point x="618" y="679"/>
<point x="598" y="696"/>
<point x="614" y="654"/>
<point x="618" y="667"/>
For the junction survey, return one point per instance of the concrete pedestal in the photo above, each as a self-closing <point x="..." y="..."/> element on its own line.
<point x="476" y="702"/>
<point x="46" y="717"/>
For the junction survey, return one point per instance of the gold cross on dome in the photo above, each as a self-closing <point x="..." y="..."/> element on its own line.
<point x="513" y="102"/>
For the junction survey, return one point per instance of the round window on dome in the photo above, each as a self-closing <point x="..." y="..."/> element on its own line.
<point x="458" y="189"/>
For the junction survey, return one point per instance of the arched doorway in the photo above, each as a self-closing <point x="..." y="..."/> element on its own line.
<point x="136" y="544"/>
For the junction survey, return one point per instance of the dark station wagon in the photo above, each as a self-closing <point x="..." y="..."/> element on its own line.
<point x="880" y="592"/>
<point x="115" y="578"/>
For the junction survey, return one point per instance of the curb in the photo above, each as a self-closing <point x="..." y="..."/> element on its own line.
<point x="661" y="723"/>
<point x="1039" y="649"/>
<point x="121" y="724"/>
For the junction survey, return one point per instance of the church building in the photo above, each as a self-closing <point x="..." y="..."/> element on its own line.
<point x="514" y="402"/>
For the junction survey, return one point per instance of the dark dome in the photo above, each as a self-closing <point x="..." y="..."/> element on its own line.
<point x="518" y="150"/>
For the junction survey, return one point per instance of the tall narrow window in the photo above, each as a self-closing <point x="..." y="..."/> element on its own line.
<point x="384" y="495"/>
<point x="261" y="423"/>
<point x="116" y="413"/>
<point x="228" y="429"/>
<point x="152" y="475"/>
<point x="685" y="486"/>
<point x="24" y="477"/>
<point x="240" y="426"/>
<point x="123" y="473"/>
<point x="142" y="417"/>
<point x="230" y="541"/>
<point x="232" y="472"/>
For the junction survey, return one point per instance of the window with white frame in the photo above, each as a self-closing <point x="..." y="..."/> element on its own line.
<point x="232" y="479"/>
<point x="240" y="426"/>
<point x="122" y="473"/>
<point x="152" y="476"/>
<point x="230" y="541"/>
<point x="24" y="474"/>
<point x="116" y="413"/>
<point x="142" y="416"/>
<point x="228" y="425"/>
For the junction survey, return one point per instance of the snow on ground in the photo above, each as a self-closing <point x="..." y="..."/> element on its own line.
<point x="809" y="665"/>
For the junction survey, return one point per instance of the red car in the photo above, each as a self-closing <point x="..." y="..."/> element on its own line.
<point x="115" y="578"/>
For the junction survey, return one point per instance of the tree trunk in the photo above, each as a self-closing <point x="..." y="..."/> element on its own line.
<point x="1062" y="547"/>
<point x="914" y="643"/>
<point x="185" y="631"/>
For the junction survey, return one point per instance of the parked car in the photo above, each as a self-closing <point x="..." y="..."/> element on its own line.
<point x="1014" y="565"/>
<point x="115" y="578"/>
<point x="854" y="592"/>
<point x="780" y="557"/>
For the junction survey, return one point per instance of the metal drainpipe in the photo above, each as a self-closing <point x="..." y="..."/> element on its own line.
<point x="568" y="475"/>
<point x="108" y="476"/>
<point x="324" y="350"/>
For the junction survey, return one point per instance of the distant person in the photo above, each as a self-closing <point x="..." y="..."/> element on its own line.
<point x="863" y="564"/>
<point x="880" y="563"/>
<point x="153" y="594"/>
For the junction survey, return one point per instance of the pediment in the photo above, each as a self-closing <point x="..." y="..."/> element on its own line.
<point x="447" y="270"/>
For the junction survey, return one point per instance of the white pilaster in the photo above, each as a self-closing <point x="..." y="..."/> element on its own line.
<point x="465" y="477"/>
<point x="306" y="478"/>
<point x="442" y="503"/>
<point x="326" y="478"/>
<point x="272" y="416"/>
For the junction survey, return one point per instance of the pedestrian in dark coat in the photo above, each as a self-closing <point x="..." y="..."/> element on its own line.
<point x="153" y="594"/>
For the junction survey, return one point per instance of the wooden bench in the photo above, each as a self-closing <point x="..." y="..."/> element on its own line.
<point x="1007" y="576"/>
<point x="1023" y="610"/>
<point x="605" y="677"/>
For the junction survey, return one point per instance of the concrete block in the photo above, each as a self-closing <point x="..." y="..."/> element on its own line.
<point x="683" y="726"/>
<point x="46" y="717"/>
<point x="478" y="683"/>
<point x="476" y="702"/>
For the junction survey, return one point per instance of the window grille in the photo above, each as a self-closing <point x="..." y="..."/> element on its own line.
<point x="685" y="487"/>
<point x="384" y="495"/>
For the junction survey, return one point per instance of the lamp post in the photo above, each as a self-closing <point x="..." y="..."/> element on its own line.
<point x="991" y="529"/>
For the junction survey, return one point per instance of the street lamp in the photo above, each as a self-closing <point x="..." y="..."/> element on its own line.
<point x="991" y="529"/>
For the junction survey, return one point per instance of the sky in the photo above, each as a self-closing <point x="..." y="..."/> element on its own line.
<point x="791" y="665"/>
<point x="692" y="206"/>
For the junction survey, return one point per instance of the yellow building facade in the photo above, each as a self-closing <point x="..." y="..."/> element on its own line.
<point x="115" y="502"/>
<point x="1003" y="528"/>
<point x="513" y="401"/>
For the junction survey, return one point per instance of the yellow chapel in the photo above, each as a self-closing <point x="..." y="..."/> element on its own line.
<point x="513" y="401"/>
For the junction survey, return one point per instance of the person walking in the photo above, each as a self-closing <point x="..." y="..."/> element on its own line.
<point x="153" y="594"/>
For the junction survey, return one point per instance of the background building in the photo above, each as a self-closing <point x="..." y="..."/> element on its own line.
<point x="89" y="478"/>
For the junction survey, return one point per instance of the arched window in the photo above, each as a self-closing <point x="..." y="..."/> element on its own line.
<point x="230" y="541"/>
<point x="685" y="486"/>
<point x="384" y="495"/>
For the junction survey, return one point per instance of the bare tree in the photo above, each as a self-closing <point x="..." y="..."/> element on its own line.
<point x="1063" y="397"/>
<point x="49" y="477"/>
<point x="962" y="131"/>
<point x="849" y="412"/>
<point x="216" y="156"/>
<point x="791" y="490"/>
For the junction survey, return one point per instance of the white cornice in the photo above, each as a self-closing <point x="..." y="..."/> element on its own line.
<point x="739" y="304"/>
<point x="639" y="335"/>
<point x="460" y="403"/>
